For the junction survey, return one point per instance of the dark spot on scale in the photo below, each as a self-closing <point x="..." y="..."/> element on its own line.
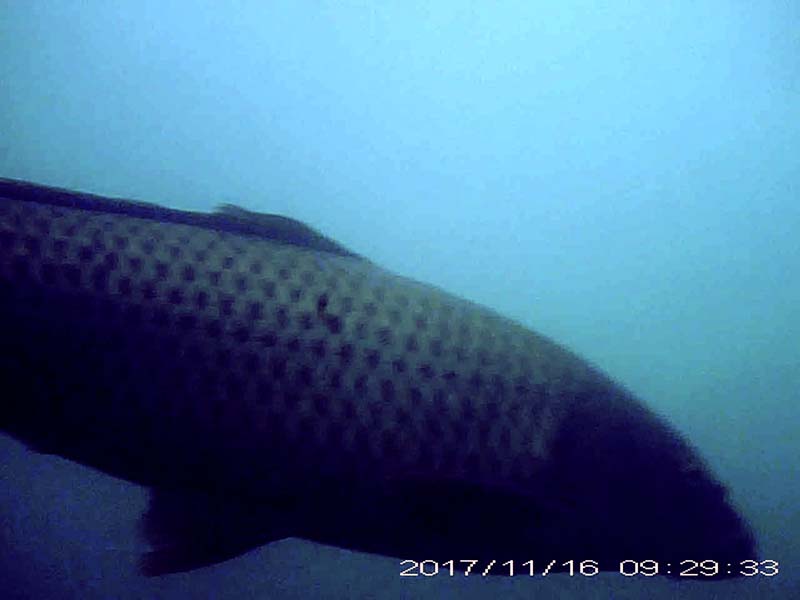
<point x="384" y="336"/>
<point x="468" y="408"/>
<point x="283" y="273"/>
<point x="295" y="294"/>
<point x="227" y="262"/>
<point x="72" y="275"/>
<point x="241" y="283"/>
<point x="305" y="375"/>
<point x="7" y="240"/>
<point x="439" y="401"/>
<point x="162" y="270"/>
<point x="33" y="245"/>
<point x="160" y="317"/>
<point x="320" y="402"/>
<point x="226" y="305"/>
<point x="175" y="252"/>
<point x="390" y="444"/>
<point x="201" y="299"/>
<point x="387" y="389"/>
<point x="120" y="242"/>
<point x="42" y="225"/>
<point x="48" y="272"/>
<point x="214" y="329"/>
<point x="318" y="348"/>
<point x="433" y="427"/>
<point x="307" y="277"/>
<point x="436" y="347"/>
<point x="168" y="346"/>
<point x="449" y="376"/>
<point x="99" y="278"/>
<point x="255" y="310"/>
<point x="223" y="358"/>
<point x="370" y="309"/>
<point x="399" y="365"/>
<point x="234" y="387"/>
<point x="322" y="303"/>
<point x="361" y="443"/>
<point x="135" y="264"/>
<point x="111" y="260"/>
<point x="241" y="334"/>
<point x="19" y="267"/>
<point x="475" y="380"/>
<point x="175" y="296"/>
<point x="148" y="247"/>
<point x="186" y="322"/>
<point x="268" y="287"/>
<point x="217" y="410"/>
<point x="333" y="323"/>
<point x="256" y="267"/>
<point x="426" y="370"/>
<point x="505" y="438"/>
<point x="346" y="353"/>
<point x="282" y="317"/>
<point x="278" y="367"/>
<point x="521" y="386"/>
<point x="268" y="339"/>
<point x="187" y="273"/>
<point x="293" y="345"/>
<point x="335" y="380"/>
<point x="415" y="395"/>
<point x="497" y="385"/>
<point x="264" y="391"/>
<point x="85" y="253"/>
<point x="60" y="247"/>
<point x="412" y="345"/>
<point x="133" y="314"/>
<point x="420" y="323"/>
<point x="373" y="358"/>
<point x="214" y="277"/>
<point x="360" y="385"/>
<point x="305" y="321"/>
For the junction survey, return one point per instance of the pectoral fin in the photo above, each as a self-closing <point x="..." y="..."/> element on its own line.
<point x="190" y="531"/>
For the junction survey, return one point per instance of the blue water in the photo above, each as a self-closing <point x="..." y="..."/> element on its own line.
<point x="624" y="179"/>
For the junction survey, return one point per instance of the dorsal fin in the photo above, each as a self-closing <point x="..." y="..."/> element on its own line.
<point x="228" y="218"/>
<point x="280" y="229"/>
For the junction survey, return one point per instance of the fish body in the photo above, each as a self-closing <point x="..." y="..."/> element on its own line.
<point x="266" y="382"/>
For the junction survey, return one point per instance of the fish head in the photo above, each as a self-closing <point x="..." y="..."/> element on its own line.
<point x="621" y="485"/>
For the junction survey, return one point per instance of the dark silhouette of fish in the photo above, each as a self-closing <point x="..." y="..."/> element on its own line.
<point x="266" y="382"/>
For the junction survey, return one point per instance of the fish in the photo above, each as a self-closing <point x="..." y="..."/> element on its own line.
<point x="266" y="382"/>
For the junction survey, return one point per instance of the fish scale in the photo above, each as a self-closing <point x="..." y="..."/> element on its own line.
<point x="198" y="290"/>
<point x="249" y="359"/>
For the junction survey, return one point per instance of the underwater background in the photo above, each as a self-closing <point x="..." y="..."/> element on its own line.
<point x="624" y="178"/>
